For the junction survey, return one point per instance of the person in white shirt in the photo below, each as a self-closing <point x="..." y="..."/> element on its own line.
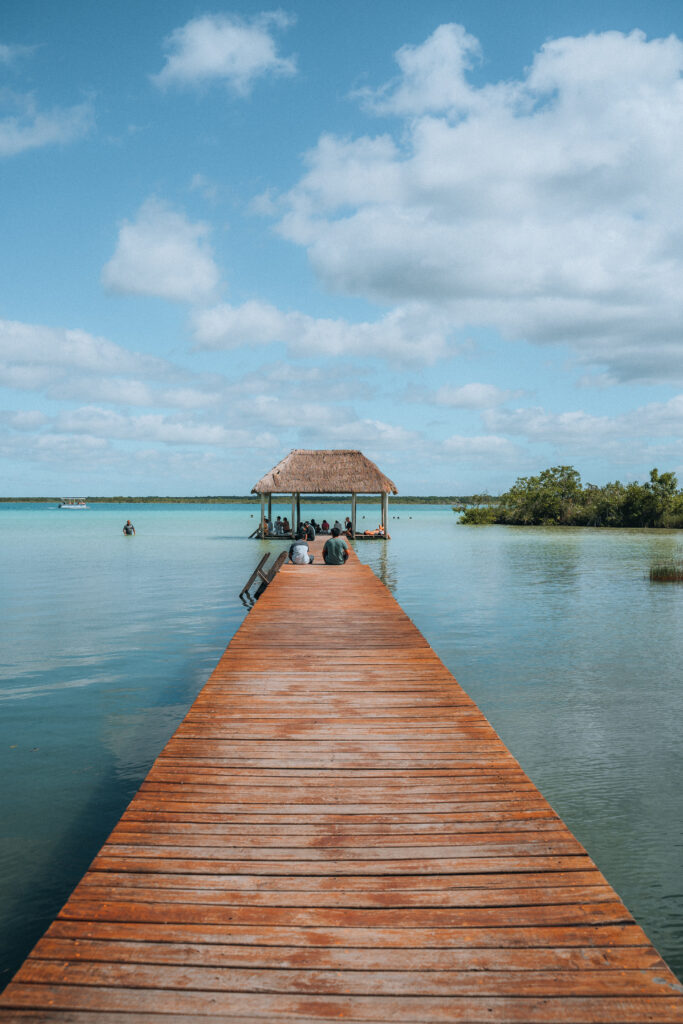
<point x="298" y="553"/>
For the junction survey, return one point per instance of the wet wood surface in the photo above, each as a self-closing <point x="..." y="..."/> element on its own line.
<point x="335" y="832"/>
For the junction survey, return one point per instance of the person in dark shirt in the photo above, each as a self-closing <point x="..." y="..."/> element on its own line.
<point x="335" y="551"/>
<point x="129" y="529"/>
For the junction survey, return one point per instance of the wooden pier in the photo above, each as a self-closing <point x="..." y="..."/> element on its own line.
<point x="335" y="832"/>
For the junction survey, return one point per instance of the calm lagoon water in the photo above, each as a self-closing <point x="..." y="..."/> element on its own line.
<point x="557" y="634"/>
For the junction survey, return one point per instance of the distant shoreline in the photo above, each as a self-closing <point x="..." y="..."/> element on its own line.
<point x="236" y="499"/>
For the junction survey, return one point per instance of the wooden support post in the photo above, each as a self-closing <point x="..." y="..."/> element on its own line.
<point x="353" y="515"/>
<point x="385" y="513"/>
<point x="293" y="513"/>
<point x="270" y="508"/>
<point x="262" y="532"/>
<point x="298" y="511"/>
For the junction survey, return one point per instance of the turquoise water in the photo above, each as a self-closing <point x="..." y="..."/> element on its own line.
<point x="557" y="634"/>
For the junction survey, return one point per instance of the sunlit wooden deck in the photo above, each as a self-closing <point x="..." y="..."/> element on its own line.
<point x="335" y="832"/>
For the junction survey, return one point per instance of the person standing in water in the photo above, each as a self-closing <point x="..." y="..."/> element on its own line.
<point x="129" y="529"/>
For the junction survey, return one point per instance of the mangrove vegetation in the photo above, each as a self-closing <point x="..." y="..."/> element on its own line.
<point x="556" y="497"/>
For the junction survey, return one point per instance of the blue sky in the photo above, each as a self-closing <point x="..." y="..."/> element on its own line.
<point x="449" y="234"/>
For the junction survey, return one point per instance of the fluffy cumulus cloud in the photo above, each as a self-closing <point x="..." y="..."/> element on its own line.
<point x="432" y="78"/>
<point x="405" y="335"/>
<point x="162" y="253"/>
<point x="543" y="207"/>
<point x="225" y="47"/>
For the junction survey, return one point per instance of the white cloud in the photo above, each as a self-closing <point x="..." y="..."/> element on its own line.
<point x="661" y="419"/>
<point x="50" y="449"/>
<point x="72" y="365"/>
<point x="474" y="449"/>
<point x="543" y="207"/>
<point x="34" y="346"/>
<point x="575" y="429"/>
<point x="225" y="48"/>
<point x="371" y="433"/>
<point x="626" y="438"/>
<point x="164" y="254"/>
<point x="150" y="427"/>
<point x="432" y="76"/>
<point x="405" y="335"/>
<point x="29" y="128"/>
<point x="208" y="189"/>
<point x="473" y="396"/>
<point x="301" y="382"/>
<point x="285" y="413"/>
<point x="26" y="419"/>
<point x="9" y="52"/>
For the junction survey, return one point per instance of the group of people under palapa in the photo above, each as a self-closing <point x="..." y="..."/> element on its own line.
<point x="310" y="528"/>
<point x="280" y="527"/>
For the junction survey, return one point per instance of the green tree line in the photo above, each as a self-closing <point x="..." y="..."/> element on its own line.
<point x="556" y="497"/>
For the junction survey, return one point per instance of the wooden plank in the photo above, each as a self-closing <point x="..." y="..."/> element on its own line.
<point x="336" y="831"/>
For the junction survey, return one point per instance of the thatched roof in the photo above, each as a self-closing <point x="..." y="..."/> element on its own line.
<point x="330" y="471"/>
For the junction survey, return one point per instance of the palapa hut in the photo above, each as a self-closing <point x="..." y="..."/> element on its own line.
<point x="326" y="471"/>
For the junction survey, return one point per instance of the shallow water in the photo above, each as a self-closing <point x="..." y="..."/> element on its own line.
<point x="557" y="634"/>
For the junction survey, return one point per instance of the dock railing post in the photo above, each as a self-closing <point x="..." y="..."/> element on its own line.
<point x="353" y="514"/>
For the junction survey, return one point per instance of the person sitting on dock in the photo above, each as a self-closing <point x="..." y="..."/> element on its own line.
<point x="299" y="553"/>
<point x="310" y="530"/>
<point x="325" y="526"/>
<point x="335" y="551"/>
<point x="286" y="528"/>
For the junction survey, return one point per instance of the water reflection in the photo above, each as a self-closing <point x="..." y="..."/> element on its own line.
<point x="383" y="565"/>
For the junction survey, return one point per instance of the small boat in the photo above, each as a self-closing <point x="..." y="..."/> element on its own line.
<point x="73" y="503"/>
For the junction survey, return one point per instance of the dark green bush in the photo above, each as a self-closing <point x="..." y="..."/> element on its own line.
<point x="556" y="497"/>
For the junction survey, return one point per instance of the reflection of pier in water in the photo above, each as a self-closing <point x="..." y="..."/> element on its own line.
<point x="336" y="832"/>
